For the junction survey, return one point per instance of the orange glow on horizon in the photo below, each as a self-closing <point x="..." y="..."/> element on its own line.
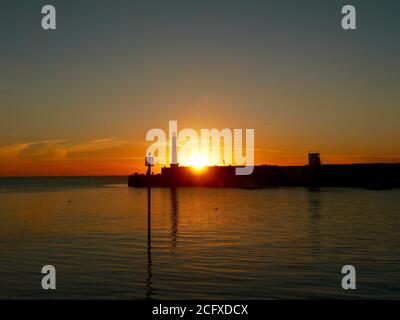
<point x="125" y="161"/>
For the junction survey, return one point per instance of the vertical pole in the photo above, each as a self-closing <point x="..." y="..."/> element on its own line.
<point x="148" y="204"/>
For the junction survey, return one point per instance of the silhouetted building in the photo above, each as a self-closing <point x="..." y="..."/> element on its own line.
<point x="314" y="159"/>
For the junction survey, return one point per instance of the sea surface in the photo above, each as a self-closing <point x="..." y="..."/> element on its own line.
<point x="278" y="243"/>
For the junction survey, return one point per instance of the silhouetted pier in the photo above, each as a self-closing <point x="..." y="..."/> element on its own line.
<point x="371" y="176"/>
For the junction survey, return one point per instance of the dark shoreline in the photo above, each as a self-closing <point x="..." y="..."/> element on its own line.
<point x="369" y="176"/>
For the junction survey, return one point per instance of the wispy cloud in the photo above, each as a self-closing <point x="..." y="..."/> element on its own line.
<point x="57" y="149"/>
<point x="45" y="148"/>
<point x="95" y="145"/>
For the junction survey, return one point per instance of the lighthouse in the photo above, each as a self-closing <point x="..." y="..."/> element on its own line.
<point x="174" y="152"/>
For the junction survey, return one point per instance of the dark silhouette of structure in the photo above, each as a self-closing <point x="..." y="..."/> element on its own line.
<point x="149" y="162"/>
<point x="314" y="175"/>
<point x="314" y="159"/>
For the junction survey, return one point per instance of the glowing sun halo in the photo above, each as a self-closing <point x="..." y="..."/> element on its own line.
<point x="197" y="161"/>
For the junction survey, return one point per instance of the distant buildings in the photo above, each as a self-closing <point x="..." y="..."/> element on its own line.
<point x="376" y="176"/>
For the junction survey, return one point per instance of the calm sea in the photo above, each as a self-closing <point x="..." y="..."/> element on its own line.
<point x="206" y="243"/>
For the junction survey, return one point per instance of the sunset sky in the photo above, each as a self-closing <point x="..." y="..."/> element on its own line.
<point x="79" y="100"/>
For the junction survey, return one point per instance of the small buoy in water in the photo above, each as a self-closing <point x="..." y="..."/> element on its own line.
<point x="69" y="201"/>
<point x="216" y="209"/>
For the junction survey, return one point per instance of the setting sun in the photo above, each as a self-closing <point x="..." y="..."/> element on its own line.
<point x="197" y="161"/>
